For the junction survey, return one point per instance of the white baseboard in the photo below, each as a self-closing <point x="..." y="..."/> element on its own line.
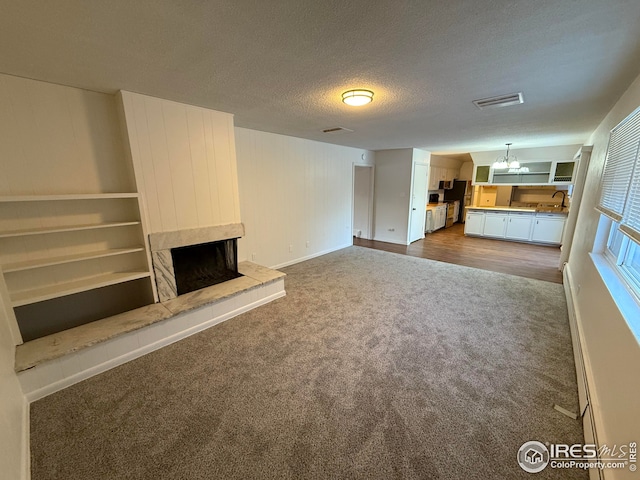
<point x="590" y="417"/>
<point x="26" y="443"/>
<point x="378" y="238"/>
<point x="309" y="257"/>
<point x="96" y="359"/>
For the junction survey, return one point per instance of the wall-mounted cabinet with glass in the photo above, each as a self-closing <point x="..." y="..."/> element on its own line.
<point x="529" y="173"/>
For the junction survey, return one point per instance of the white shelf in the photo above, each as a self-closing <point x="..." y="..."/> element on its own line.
<point x="79" y="196"/>
<point x="66" y="228"/>
<point x="27" y="297"/>
<point x="47" y="262"/>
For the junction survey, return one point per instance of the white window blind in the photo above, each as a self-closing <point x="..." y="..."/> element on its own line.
<point x="620" y="187"/>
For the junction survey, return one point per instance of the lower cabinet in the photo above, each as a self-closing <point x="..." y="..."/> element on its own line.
<point x="428" y="222"/>
<point x="440" y="218"/>
<point x="495" y="224"/>
<point x="521" y="226"/>
<point x="436" y="218"/>
<point x="548" y="228"/>
<point x="474" y="223"/>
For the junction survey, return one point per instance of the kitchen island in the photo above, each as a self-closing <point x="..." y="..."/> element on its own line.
<point x="520" y="224"/>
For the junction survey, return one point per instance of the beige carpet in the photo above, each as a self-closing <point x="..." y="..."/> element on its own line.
<point x="375" y="365"/>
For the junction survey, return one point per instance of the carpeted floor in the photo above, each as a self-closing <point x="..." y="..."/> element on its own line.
<point x="375" y="365"/>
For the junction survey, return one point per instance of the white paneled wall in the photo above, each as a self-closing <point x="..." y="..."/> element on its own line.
<point x="58" y="140"/>
<point x="185" y="162"/>
<point x="296" y="196"/>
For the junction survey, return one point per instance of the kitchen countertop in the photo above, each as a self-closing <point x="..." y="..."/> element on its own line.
<point x="431" y="206"/>
<point x="521" y="209"/>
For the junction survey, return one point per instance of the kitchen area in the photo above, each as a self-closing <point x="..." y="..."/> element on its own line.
<point x="529" y="202"/>
<point x="448" y="192"/>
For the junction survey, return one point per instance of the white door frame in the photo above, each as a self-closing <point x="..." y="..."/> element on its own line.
<point x="371" y="193"/>
<point x="411" y="195"/>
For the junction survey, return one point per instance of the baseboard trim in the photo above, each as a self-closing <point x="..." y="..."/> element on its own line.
<point x="591" y="410"/>
<point x="56" y="386"/>
<point x="26" y="443"/>
<point x="309" y="257"/>
<point x="388" y="240"/>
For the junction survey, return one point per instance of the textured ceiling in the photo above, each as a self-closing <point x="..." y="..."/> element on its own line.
<point x="280" y="66"/>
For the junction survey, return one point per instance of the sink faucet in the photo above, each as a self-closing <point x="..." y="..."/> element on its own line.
<point x="564" y="196"/>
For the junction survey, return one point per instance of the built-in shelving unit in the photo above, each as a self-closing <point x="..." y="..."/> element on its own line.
<point x="56" y="246"/>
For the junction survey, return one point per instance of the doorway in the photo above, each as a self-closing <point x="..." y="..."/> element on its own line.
<point x="362" y="220"/>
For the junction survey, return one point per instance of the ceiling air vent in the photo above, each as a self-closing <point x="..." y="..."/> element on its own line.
<point x="499" y="101"/>
<point x="336" y="130"/>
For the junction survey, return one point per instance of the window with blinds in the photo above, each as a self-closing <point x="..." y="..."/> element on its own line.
<point x="620" y="186"/>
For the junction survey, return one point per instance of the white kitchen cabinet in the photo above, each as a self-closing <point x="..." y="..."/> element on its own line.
<point x="474" y="223"/>
<point x="548" y="228"/>
<point x="563" y="172"/>
<point x="519" y="226"/>
<point x="435" y="175"/>
<point x="428" y="222"/>
<point x="439" y="217"/>
<point x="451" y="174"/>
<point x="495" y="224"/>
<point x="481" y="175"/>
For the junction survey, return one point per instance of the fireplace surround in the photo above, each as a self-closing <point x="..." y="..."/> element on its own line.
<point x="190" y="259"/>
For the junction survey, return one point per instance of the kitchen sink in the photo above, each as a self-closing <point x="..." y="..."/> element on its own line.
<point x="551" y="209"/>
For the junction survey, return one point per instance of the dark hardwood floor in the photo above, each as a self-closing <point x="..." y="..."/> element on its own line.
<point x="452" y="246"/>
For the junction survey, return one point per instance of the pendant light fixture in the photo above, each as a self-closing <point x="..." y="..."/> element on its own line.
<point x="357" y="98"/>
<point x="506" y="161"/>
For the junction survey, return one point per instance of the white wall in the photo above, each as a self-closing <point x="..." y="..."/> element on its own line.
<point x="538" y="154"/>
<point x="14" y="434"/>
<point x="393" y="190"/>
<point x="466" y="171"/>
<point x="185" y="163"/>
<point x="58" y="139"/>
<point x="362" y="201"/>
<point x="612" y="351"/>
<point x="394" y="169"/>
<point x="293" y="191"/>
<point x="444" y="161"/>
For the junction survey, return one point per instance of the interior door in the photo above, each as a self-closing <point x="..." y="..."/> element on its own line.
<point x="418" y="202"/>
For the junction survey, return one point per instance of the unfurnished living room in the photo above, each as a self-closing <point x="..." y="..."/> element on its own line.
<point x="319" y="240"/>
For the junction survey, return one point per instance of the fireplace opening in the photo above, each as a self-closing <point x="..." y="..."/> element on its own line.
<point x="205" y="264"/>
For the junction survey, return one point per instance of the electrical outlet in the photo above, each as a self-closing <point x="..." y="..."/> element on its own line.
<point x="307" y="243"/>
<point x="392" y="229"/>
<point x="290" y="248"/>
<point x="253" y="256"/>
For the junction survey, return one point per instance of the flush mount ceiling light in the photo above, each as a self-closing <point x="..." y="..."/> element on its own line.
<point x="506" y="161"/>
<point x="357" y="98"/>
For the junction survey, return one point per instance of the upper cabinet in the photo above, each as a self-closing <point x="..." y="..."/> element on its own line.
<point x="564" y="172"/>
<point x="438" y="174"/>
<point x="534" y="173"/>
<point x="529" y="173"/>
<point x="481" y="174"/>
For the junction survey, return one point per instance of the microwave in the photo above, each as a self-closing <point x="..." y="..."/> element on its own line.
<point x="446" y="185"/>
